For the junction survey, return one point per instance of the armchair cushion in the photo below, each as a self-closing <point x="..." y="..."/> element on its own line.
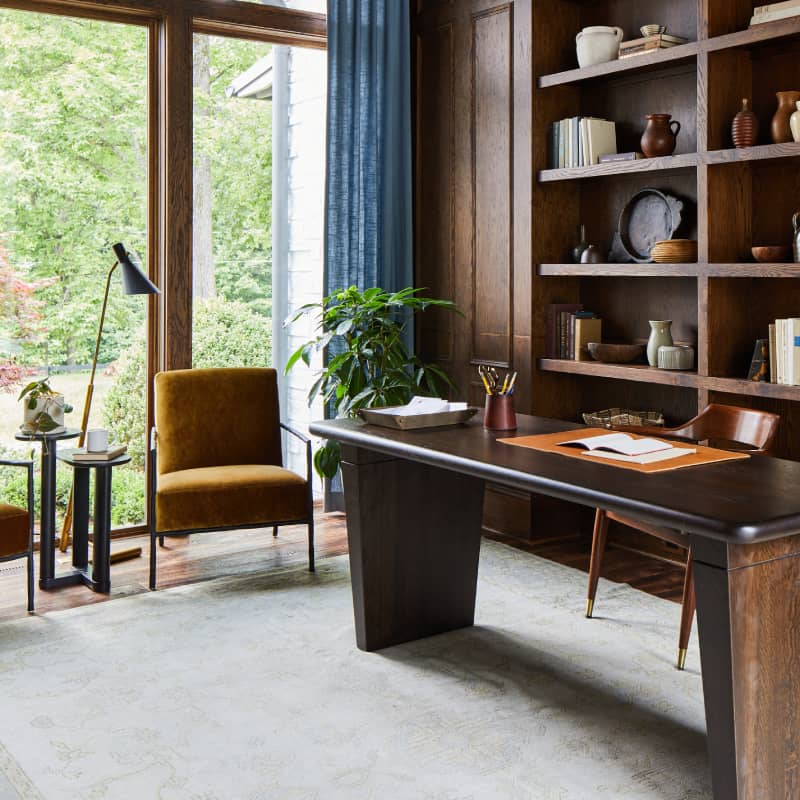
<point x="14" y="530"/>
<point x="238" y="494"/>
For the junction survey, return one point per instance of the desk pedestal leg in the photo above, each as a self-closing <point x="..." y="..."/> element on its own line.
<point x="47" y="525"/>
<point x="414" y="534"/>
<point x="101" y="533"/>
<point x="748" y="610"/>
<point x="80" y="519"/>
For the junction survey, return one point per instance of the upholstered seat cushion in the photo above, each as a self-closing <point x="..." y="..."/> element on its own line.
<point x="239" y="494"/>
<point x="14" y="530"/>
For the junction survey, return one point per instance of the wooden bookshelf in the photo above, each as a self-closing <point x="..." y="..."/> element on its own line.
<point x="735" y="199"/>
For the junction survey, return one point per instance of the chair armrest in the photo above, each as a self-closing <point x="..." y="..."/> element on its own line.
<point x="650" y="430"/>
<point x="301" y="436"/>
<point x="153" y="438"/>
<point x="5" y="462"/>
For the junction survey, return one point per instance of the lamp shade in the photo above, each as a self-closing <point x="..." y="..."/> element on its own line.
<point x="134" y="281"/>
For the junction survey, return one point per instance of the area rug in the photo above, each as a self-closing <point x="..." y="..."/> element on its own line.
<point x="252" y="687"/>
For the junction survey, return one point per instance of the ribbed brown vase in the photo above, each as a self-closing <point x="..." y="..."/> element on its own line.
<point x="744" y="129"/>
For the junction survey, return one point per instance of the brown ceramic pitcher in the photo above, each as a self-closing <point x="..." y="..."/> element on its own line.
<point x="659" y="138"/>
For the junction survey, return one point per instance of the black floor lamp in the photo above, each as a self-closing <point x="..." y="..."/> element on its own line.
<point x="134" y="281"/>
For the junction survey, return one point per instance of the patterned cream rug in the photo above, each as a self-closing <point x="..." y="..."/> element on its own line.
<point x="252" y="688"/>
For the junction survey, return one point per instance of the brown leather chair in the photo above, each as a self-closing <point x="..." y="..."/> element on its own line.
<point x="216" y="457"/>
<point x="728" y="427"/>
<point x="16" y="528"/>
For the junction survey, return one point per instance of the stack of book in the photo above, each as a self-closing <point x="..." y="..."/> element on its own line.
<point x="569" y="330"/>
<point x="775" y="11"/>
<point x="646" y="44"/>
<point x="580" y="141"/>
<point x="784" y="352"/>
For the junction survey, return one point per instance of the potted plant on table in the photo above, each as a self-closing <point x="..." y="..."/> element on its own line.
<point x="43" y="409"/>
<point x="369" y="365"/>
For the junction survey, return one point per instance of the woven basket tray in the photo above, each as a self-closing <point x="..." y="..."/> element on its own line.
<point x="611" y="417"/>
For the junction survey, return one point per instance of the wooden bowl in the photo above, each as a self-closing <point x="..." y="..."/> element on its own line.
<point x="615" y="353"/>
<point x="774" y="254"/>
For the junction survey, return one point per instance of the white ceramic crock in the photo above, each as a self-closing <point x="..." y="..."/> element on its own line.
<point x="598" y="44"/>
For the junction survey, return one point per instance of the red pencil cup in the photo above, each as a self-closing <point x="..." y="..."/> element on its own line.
<point x="499" y="413"/>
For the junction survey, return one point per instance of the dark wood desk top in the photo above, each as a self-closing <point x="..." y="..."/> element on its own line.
<point x="740" y="501"/>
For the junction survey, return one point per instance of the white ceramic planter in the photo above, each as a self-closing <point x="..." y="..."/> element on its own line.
<point x="53" y="407"/>
<point x="598" y="44"/>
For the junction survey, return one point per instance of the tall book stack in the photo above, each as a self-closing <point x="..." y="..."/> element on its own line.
<point x="775" y="11"/>
<point x="569" y="330"/>
<point x="784" y="351"/>
<point x="580" y="141"/>
<point x="658" y="41"/>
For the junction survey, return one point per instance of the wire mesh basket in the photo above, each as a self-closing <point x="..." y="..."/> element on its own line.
<point x="611" y="417"/>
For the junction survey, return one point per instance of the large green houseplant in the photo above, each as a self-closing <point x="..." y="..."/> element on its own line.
<point x="368" y="363"/>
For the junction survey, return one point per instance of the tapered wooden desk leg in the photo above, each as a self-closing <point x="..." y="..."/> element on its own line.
<point x="414" y="534"/>
<point x="748" y="613"/>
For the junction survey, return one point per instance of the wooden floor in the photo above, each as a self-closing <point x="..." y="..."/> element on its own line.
<point x="213" y="555"/>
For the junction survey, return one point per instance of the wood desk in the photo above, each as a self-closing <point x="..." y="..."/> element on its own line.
<point x="414" y="504"/>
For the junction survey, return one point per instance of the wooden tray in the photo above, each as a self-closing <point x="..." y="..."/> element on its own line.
<point x="410" y="423"/>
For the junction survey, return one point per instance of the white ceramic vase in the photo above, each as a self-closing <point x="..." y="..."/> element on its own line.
<point x="598" y="44"/>
<point x="46" y="417"/>
<point x="660" y="334"/>
<point x="794" y="124"/>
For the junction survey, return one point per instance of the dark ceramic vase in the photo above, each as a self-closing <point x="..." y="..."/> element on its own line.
<point x="659" y="138"/>
<point x="787" y="105"/>
<point x="744" y="130"/>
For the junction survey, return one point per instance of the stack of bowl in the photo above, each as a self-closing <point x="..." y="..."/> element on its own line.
<point x="675" y="251"/>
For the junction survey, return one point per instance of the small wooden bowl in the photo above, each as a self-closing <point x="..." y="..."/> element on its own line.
<point x="615" y="353"/>
<point x="774" y="254"/>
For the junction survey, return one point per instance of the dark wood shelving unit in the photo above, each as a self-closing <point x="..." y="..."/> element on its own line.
<point x="735" y="199"/>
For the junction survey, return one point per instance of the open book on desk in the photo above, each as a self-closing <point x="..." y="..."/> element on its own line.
<point x="622" y="447"/>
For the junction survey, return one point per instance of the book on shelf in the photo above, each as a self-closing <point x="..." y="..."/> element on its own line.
<point x="787" y="352"/>
<point x="770" y="8"/>
<point x="82" y="454"/>
<point x="580" y="141"/>
<point x="761" y="15"/>
<point x="553" y="329"/>
<point x="586" y="329"/>
<point x="649" y="43"/>
<point x="771" y="347"/>
<point x="610" y="158"/>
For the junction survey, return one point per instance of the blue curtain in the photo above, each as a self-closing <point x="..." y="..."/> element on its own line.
<point x="368" y="187"/>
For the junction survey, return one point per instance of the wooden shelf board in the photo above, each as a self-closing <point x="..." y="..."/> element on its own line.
<point x="620" y="270"/>
<point x="644" y="165"/>
<point x="669" y="270"/>
<point x="629" y="372"/>
<point x="758" y="34"/>
<point x="751" y="270"/>
<point x="774" y="391"/>
<point x="623" y="66"/>
<point x="758" y="153"/>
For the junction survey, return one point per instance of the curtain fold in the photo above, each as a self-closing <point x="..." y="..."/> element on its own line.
<point x="368" y="184"/>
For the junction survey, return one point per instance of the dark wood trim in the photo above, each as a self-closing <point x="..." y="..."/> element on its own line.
<point x="628" y="372"/>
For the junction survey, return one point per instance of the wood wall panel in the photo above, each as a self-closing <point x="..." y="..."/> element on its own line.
<point x="492" y="91"/>
<point x="435" y="187"/>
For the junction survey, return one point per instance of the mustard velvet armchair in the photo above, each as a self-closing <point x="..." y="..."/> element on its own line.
<point x="216" y="457"/>
<point x="16" y="528"/>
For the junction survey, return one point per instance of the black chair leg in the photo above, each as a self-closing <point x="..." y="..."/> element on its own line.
<point x="311" y="567"/>
<point x="30" y="582"/>
<point x="274" y="530"/>
<point x="160" y="541"/>
<point x="153" y="559"/>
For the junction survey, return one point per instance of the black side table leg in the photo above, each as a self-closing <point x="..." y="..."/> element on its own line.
<point x="101" y="533"/>
<point x="80" y="519"/>
<point x="47" y="524"/>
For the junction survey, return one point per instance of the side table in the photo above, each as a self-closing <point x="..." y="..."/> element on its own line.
<point x="100" y="578"/>
<point x="47" y="520"/>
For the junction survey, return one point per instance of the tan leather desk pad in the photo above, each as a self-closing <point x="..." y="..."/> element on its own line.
<point x="549" y="443"/>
